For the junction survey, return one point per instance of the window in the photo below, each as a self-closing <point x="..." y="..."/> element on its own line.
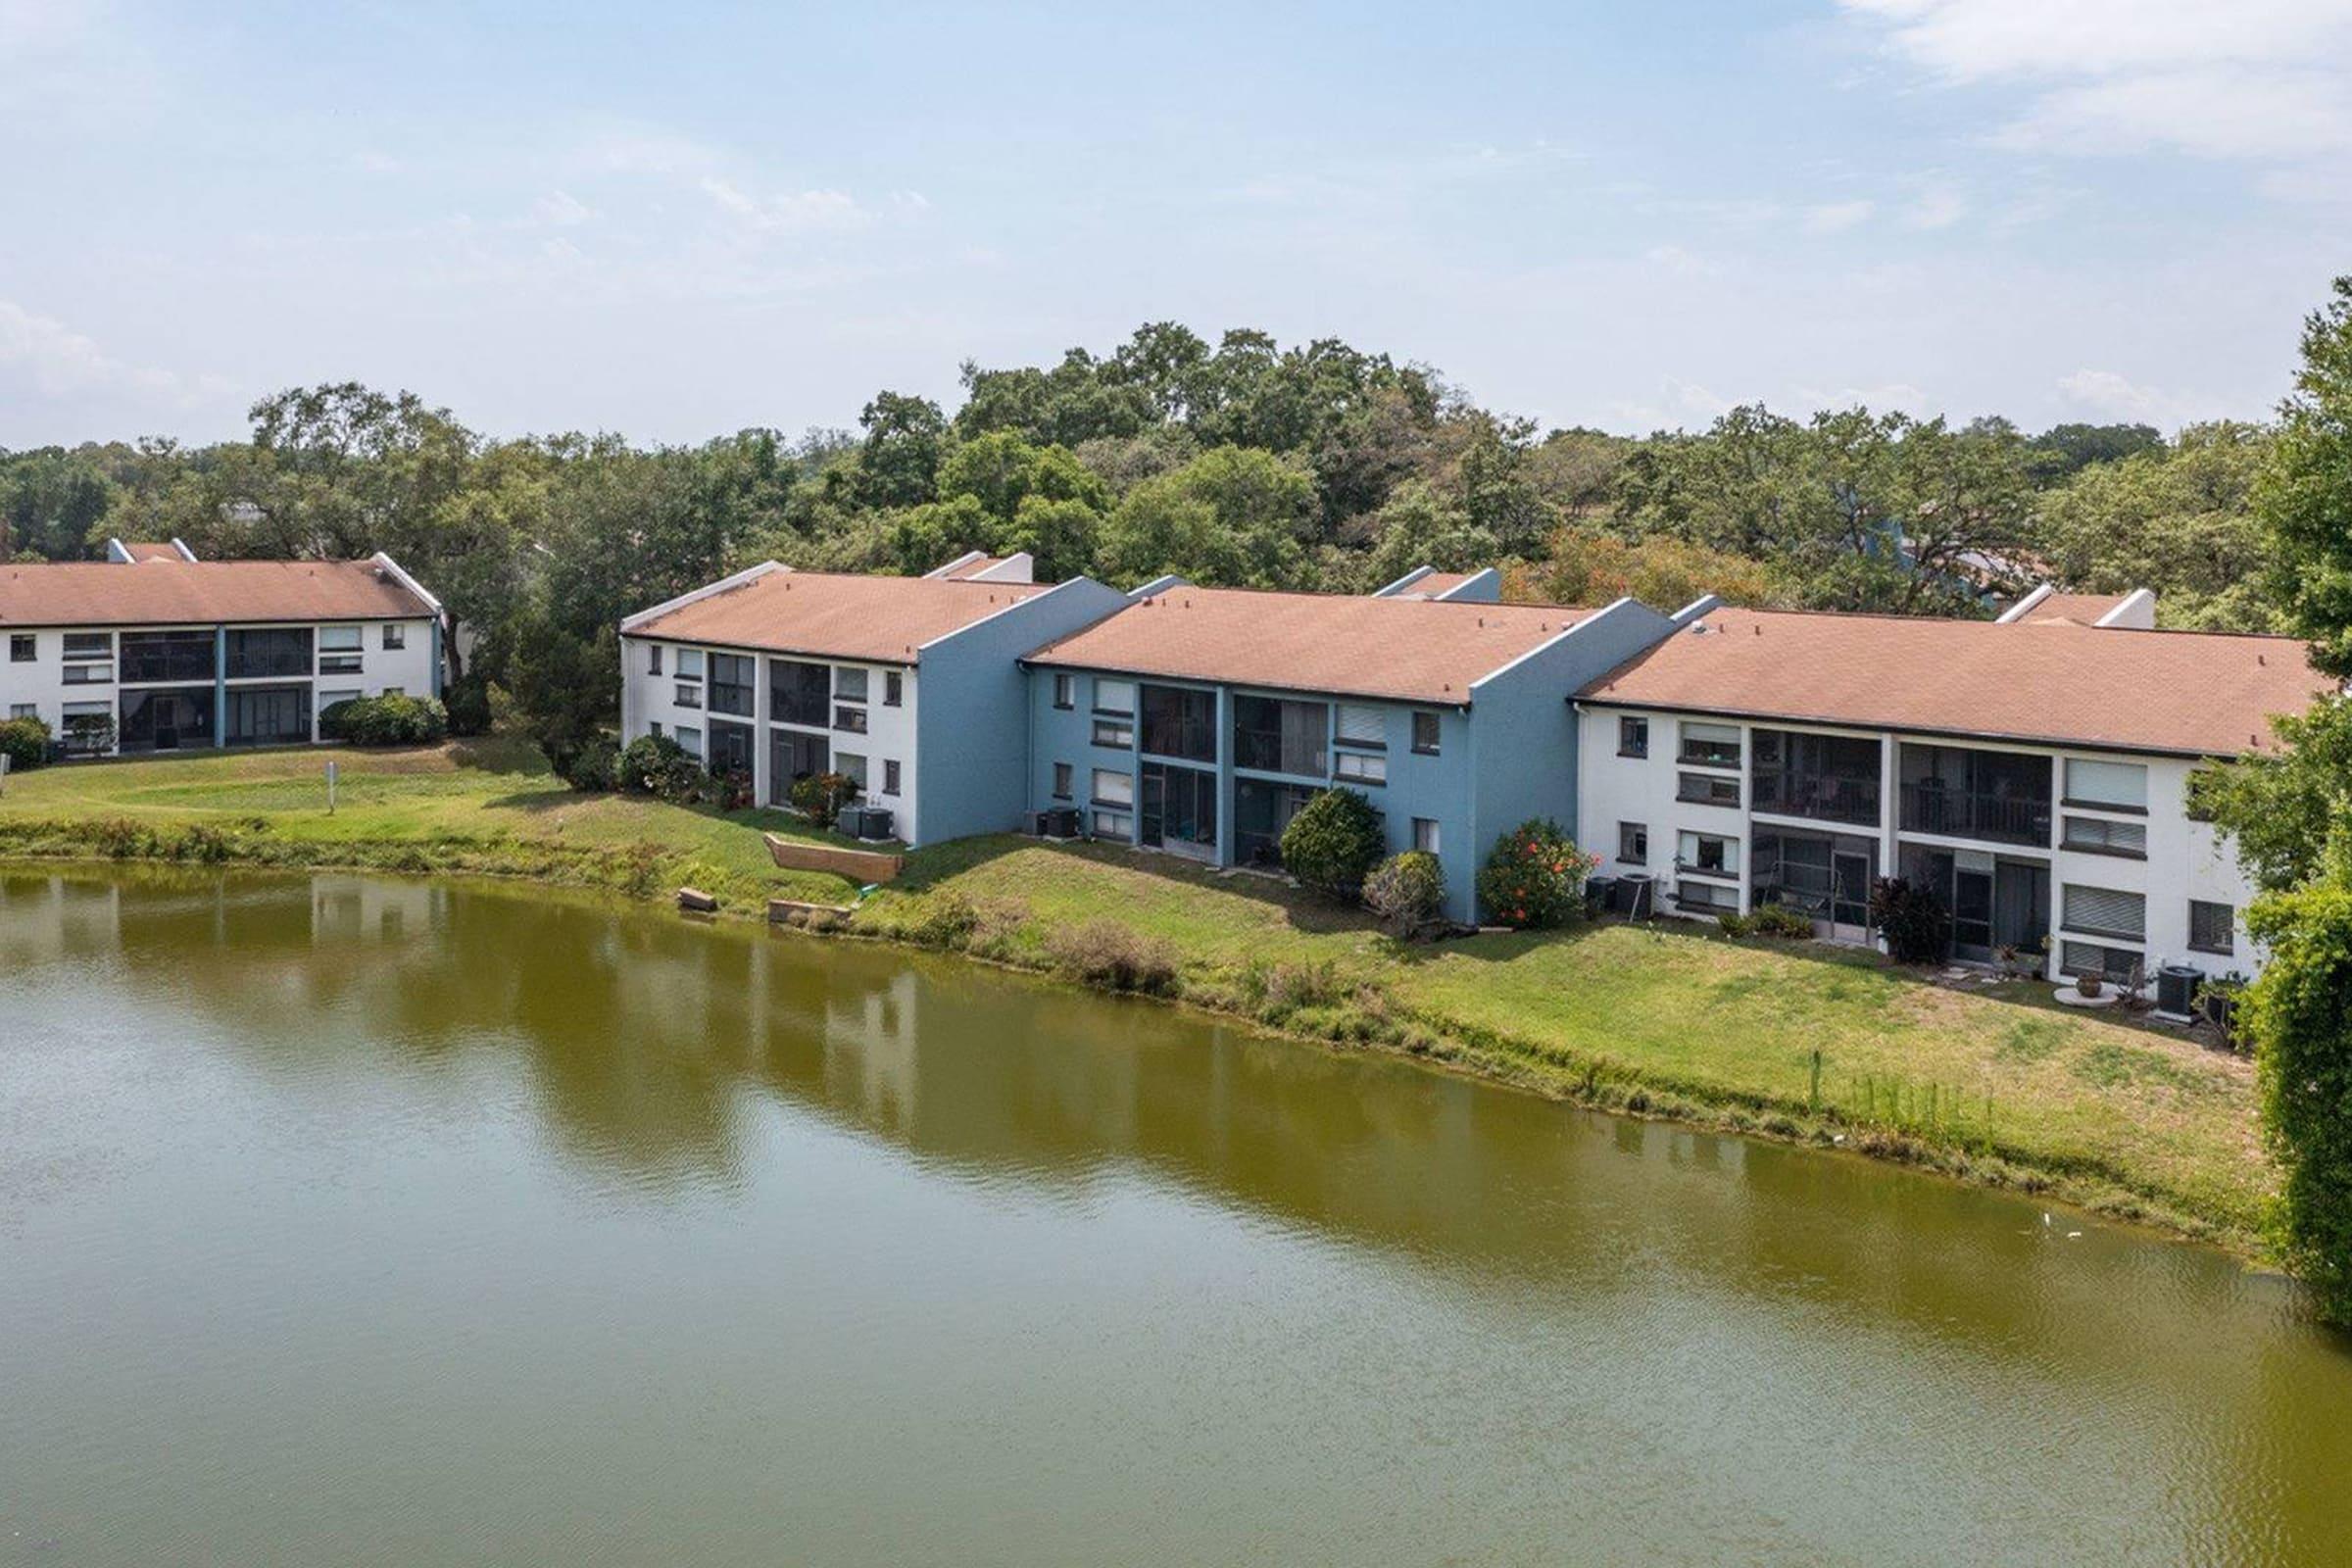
<point x="2095" y="835"/>
<point x="654" y="729"/>
<point x="850" y="720"/>
<point x="690" y="741"/>
<point x="1113" y="825"/>
<point x="2212" y="927"/>
<point x="2105" y="911"/>
<point x="1113" y="787"/>
<point x="395" y="638"/>
<point x="1706" y="897"/>
<point x="734" y="679"/>
<point x="261" y="651"/>
<point x="689" y="695"/>
<point x="327" y="699"/>
<point x="1425" y="734"/>
<point x="1114" y="697"/>
<point x="268" y="716"/>
<point x="23" y="710"/>
<point x="1633" y="843"/>
<point x="1179" y="722"/>
<point x="90" y="645"/>
<point x="1066" y="691"/>
<point x="1709" y="745"/>
<point x="851" y="767"/>
<point x="1361" y="768"/>
<point x="393" y="691"/>
<point x="1361" y="725"/>
<point x="338" y="650"/>
<point x="690" y="663"/>
<point x="890" y="775"/>
<point x="1707" y="855"/>
<point x="798" y="692"/>
<point x="23" y="648"/>
<point x="849" y="685"/>
<point x="2090" y="957"/>
<point x="1061" y="781"/>
<point x="894" y="689"/>
<point x="89" y="729"/>
<point x="730" y="750"/>
<point x="1114" y="733"/>
<point x="1425" y="834"/>
<point x="169" y="656"/>
<point x="1274" y="736"/>
<point x="1704" y="788"/>
<point x="653" y="659"/>
<point x="88" y="675"/>
<point x="2115" y="786"/>
<point x="1633" y="737"/>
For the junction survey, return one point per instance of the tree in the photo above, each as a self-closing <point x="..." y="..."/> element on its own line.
<point x="2177" y="519"/>
<point x="1333" y="843"/>
<point x="1583" y="566"/>
<point x="1535" y="876"/>
<point x="1062" y="535"/>
<point x="1232" y="515"/>
<point x="1419" y="527"/>
<point x="53" y="505"/>
<point x="2280" y="807"/>
<point x="2299" y="1014"/>
<point x="564" y="685"/>
<point x="927" y="537"/>
<point x="2064" y="450"/>
<point x="2304" y="496"/>
<point x="899" y="463"/>
<point x="1001" y="470"/>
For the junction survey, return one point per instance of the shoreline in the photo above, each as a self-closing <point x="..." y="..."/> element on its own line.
<point x="1559" y="1073"/>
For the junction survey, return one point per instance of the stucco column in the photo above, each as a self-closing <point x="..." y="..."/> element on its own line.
<point x="762" y="744"/>
<point x="220" y="686"/>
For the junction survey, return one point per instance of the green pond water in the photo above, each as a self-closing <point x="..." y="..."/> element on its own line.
<point x="378" y="1222"/>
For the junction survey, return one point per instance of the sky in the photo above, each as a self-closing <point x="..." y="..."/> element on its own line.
<point x="678" y="221"/>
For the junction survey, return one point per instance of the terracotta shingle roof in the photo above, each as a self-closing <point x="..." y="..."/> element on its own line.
<point x="1416" y="650"/>
<point x="837" y="616"/>
<point x="96" y="593"/>
<point x="2055" y="682"/>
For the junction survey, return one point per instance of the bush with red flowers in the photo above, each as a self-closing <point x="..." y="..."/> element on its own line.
<point x="1535" y="877"/>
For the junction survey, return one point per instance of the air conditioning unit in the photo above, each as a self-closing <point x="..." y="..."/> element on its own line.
<point x="870" y="821"/>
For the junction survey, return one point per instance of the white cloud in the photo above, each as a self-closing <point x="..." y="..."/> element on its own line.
<point x="561" y="210"/>
<point x="1835" y="218"/>
<point x="62" y="362"/>
<point x="793" y="212"/>
<point x="1937" y="207"/>
<point x="1680" y="406"/>
<point x="2223" y="79"/>
<point x="1678" y="261"/>
<point x="2113" y="396"/>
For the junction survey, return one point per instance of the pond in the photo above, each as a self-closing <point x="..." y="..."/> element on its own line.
<point x="381" y="1222"/>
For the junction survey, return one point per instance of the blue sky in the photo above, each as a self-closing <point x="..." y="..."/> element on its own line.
<point x="678" y="221"/>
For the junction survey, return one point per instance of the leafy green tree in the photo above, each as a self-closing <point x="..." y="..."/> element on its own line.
<point x="1333" y="844"/>
<point x="927" y="537"/>
<point x="905" y="440"/>
<point x="1063" y="535"/>
<point x="564" y="686"/>
<point x="54" y="504"/>
<point x="2299" y="1014"/>
<point x="1233" y="515"/>
<point x="2281" y="806"/>
<point x="2305" y="493"/>
<point x="1002" y="470"/>
<point x="1419" y="527"/>
<point x="2064" y="450"/>
<point x="2177" y="519"/>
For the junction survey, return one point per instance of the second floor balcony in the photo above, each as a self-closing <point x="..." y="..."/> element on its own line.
<point x="1955" y="811"/>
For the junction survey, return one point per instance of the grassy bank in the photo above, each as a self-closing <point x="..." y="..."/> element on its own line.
<point x="1671" y="1021"/>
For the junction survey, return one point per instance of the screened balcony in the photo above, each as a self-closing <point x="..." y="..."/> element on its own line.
<point x="1827" y="778"/>
<point x="1958" y="792"/>
<point x="1274" y="736"/>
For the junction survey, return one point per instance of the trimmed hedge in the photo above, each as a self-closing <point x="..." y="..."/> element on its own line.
<point x="24" y="741"/>
<point x="1333" y="843"/>
<point x="385" y="721"/>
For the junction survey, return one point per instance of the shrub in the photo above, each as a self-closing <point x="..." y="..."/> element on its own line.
<point x="1535" y="876"/>
<point x="1109" y="956"/>
<point x="386" y="721"/>
<point x="24" y="741"/>
<point x="658" y="766"/>
<point x="820" y="796"/>
<point x="1406" y="890"/>
<point x="1735" y="924"/>
<point x="468" y="703"/>
<point x="947" y="920"/>
<point x="2299" y="1013"/>
<point x="1914" y="923"/>
<point x="1779" y="920"/>
<point x="1333" y="842"/>
<point x="595" y="768"/>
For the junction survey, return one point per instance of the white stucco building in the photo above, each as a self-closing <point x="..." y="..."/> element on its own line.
<point x="154" y="651"/>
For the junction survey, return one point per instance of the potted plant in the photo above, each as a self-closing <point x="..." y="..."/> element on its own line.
<point x="2090" y="983"/>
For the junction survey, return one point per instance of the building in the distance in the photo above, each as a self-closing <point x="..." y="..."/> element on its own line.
<point x="2031" y="773"/>
<point x="152" y="649"/>
<point x="911" y="686"/>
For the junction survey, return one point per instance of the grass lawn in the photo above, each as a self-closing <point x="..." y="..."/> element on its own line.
<point x="489" y="806"/>
<point x="1671" y="1018"/>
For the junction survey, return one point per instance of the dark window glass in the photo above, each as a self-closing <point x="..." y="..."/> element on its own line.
<point x="850" y="720"/>
<point x="396" y="637"/>
<point x="1275" y="736"/>
<point x="1066" y="691"/>
<point x="2212" y="927"/>
<point x="23" y="648"/>
<point x="731" y="685"/>
<point x="269" y="650"/>
<point x="894" y="691"/>
<point x="1113" y="732"/>
<point x="166" y="655"/>
<point x="1960" y="792"/>
<point x="270" y="715"/>
<point x="1832" y="778"/>
<point x="1633" y="737"/>
<point x="1179" y="722"/>
<point x="890" y="775"/>
<point x="1425" y="734"/>
<point x="798" y="692"/>
<point x="167" y="721"/>
<point x="653" y="659"/>
<point x="1061" y="781"/>
<point x="730" y="747"/>
<point x="1633" y="843"/>
<point x="1706" y="789"/>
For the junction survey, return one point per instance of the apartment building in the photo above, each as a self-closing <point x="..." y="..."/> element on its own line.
<point x="152" y="649"/>
<point x="911" y="686"/>
<point x="1200" y="720"/>
<point x="2030" y="773"/>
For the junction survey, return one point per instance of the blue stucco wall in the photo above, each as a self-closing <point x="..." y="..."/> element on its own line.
<point x="1523" y="732"/>
<point x="972" y="713"/>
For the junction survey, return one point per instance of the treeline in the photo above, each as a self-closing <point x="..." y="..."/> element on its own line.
<point x="1238" y="462"/>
